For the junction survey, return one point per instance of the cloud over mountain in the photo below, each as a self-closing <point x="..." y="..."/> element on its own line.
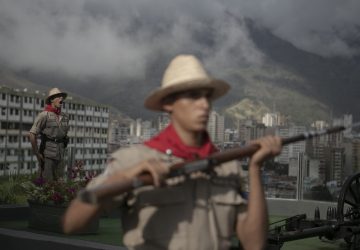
<point x="115" y="51"/>
<point x="113" y="39"/>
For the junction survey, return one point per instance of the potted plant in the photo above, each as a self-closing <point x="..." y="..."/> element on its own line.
<point x="48" y="200"/>
<point x="13" y="204"/>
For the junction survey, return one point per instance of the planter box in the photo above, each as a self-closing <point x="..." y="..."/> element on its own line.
<point x="48" y="217"/>
<point x="14" y="212"/>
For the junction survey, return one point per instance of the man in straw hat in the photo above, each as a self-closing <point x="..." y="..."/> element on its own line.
<point x="202" y="211"/>
<point x="52" y="125"/>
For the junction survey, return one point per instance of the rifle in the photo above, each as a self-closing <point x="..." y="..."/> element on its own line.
<point x="41" y="151"/>
<point x="106" y="191"/>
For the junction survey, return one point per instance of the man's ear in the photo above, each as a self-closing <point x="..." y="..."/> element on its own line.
<point x="168" y="107"/>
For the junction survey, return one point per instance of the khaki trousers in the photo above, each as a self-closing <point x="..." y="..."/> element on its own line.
<point x="53" y="169"/>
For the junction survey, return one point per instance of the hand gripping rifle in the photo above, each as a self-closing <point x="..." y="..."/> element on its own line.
<point x="102" y="193"/>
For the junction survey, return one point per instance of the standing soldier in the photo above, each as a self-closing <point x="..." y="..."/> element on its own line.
<point x="202" y="212"/>
<point x="52" y="125"/>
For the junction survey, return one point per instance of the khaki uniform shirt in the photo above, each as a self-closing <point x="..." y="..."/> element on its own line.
<point x="47" y="123"/>
<point x="195" y="214"/>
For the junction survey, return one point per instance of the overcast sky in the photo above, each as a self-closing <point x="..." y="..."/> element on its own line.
<point x="85" y="38"/>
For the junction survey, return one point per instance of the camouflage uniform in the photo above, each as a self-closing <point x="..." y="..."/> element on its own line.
<point x="198" y="213"/>
<point x="53" y="130"/>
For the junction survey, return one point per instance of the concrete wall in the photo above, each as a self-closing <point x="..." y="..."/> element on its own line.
<point x="289" y="207"/>
<point x="15" y="240"/>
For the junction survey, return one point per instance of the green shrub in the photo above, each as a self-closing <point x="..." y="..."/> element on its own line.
<point x="11" y="191"/>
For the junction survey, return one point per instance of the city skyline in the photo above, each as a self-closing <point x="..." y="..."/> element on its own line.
<point x="95" y="133"/>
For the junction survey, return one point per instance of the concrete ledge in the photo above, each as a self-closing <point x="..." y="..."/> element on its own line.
<point x="290" y="207"/>
<point x="14" y="240"/>
<point x="22" y="212"/>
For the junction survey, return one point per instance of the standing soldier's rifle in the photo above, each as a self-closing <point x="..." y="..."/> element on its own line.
<point x="106" y="191"/>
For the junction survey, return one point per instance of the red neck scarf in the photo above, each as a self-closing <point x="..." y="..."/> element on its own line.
<point x="52" y="109"/>
<point x="169" y="139"/>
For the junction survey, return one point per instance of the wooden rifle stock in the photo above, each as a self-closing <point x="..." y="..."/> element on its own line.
<point x="107" y="191"/>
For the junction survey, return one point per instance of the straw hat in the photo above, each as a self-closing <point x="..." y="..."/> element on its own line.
<point x="185" y="72"/>
<point x="54" y="92"/>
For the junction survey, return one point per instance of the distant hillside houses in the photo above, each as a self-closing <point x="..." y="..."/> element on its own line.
<point x="89" y="122"/>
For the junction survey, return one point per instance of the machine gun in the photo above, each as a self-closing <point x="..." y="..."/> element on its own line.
<point x="342" y="222"/>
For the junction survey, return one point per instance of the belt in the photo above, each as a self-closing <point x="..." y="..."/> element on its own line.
<point x="62" y="140"/>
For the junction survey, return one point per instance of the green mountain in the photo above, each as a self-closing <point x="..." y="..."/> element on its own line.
<point x="263" y="90"/>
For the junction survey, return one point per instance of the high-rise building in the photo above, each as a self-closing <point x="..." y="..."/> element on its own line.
<point x="298" y="147"/>
<point x="346" y="120"/>
<point x="250" y="130"/>
<point x="270" y="119"/>
<point x="216" y="127"/>
<point x="331" y="151"/>
<point x="352" y="156"/>
<point x="163" y="121"/>
<point x="275" y="119"/>
<point x="304" y="168"/>
<point x="320" y="124"/>
<point x="284" y="156"/>
<point x="147" y="130"/>
<point x="119" y="132"/>
<point x="292" y="150"/>
<point x="230" y="135"/>
<point x="141" y="130"/>
<point x="335" y="161"/>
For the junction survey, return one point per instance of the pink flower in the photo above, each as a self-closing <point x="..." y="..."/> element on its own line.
<point x="57" y="198"/>
<point x="40" y="181"/>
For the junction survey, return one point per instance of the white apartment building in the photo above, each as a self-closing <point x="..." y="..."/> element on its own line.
<point x="18" y="109"/>
<point x="319" y="125"/>
<point x="270" y="119"/>
<point x="275" y="119"/>
<point x="141" y="130"/>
